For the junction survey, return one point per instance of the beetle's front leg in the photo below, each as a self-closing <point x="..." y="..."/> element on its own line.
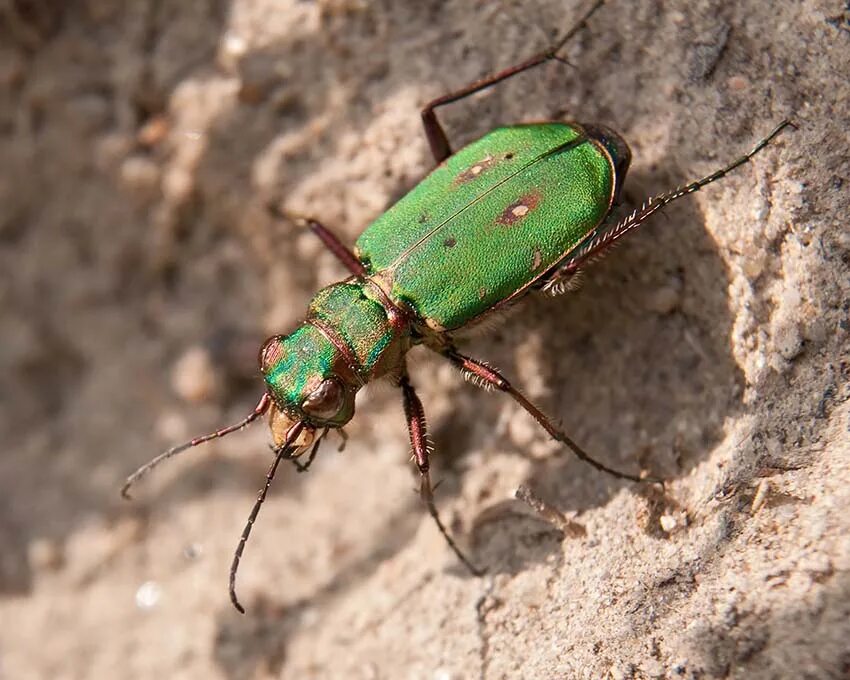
<point x="417" y="429"/>
<point x="327" y="237"/>
<point x="489" y="378"/>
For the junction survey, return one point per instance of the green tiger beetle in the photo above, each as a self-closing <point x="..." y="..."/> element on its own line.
<point x="526" y="207"/>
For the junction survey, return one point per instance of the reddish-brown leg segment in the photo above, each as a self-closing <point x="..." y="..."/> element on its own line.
<point x="437" y="139"/>
<point x="328" y="238"/>
<point x="489" y="377"/>
<point x="417" y="429"/>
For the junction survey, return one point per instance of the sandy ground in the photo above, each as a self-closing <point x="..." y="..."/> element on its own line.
<point x="140" y="272"/>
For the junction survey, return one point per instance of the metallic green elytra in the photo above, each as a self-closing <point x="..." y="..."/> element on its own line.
<point x="524" y="207"/>
<point x="490" y="221"/>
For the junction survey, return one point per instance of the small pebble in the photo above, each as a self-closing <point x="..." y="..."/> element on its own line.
<point x="673" y="521"/>
<point x="234" y="44"/>
<point x="668" y="523"/>
<point x="233" y="48"/>
<point x="148" y="595"/>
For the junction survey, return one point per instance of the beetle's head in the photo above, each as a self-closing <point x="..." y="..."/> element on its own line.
<point x="309" y="381"/>
<point x="310" y="385"/>
<point x="617" y="149"/>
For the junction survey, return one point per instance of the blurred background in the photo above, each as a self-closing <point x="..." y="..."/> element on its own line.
<point x="140" y="144"/>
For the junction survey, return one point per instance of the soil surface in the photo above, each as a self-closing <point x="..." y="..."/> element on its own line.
<point x="140" y="145"/>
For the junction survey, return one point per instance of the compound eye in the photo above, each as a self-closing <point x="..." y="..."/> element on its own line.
<point x="270" y="352"/>
<point x="325" y="401"/>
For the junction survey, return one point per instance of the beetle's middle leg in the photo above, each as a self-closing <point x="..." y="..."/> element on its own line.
<point x="490" y="378"/>
<point x="437" y="139"/>
<point x="327" y="237"/>
<point x="416" y="427"/>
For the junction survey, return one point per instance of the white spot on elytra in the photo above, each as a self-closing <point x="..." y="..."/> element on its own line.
<point x="520" y="211"/>
<point x="476" y="169"/>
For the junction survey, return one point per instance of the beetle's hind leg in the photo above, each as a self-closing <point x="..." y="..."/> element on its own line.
<point x="608" y="235"/>
<point x="416" y="427"/>
<point x="330" y="240"/>
<point x="437" y="139"/>
<point x="488" y="378"/>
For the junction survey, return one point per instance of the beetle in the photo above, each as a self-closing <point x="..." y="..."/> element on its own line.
<point x="525" y="207"/>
